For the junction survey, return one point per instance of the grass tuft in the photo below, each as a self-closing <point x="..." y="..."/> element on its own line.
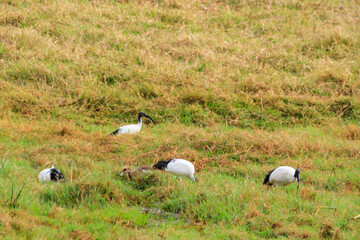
<point x="12" y="202"/>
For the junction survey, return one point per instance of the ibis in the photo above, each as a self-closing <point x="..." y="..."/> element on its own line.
<point x="51" y="174"/>
<point x="282" y="176"/>
<point x="137" y="173"/>
<point x="180" y="167"/>
<point x="132" y="128"/>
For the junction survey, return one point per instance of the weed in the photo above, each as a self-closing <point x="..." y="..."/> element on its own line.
<point x="12" y="202"/>
<point x="4" y="162"/>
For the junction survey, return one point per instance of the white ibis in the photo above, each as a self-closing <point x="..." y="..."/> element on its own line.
<point x="133" y="128"/>
<point x="137" y="173"/>
<point x="51" y="174"/>
<point x="180" y="167"/>
<point x="282" y="176"/>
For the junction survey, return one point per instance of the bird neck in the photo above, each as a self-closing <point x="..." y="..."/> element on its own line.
<point x="297" y="175"/>
<point x="140" y="121"/>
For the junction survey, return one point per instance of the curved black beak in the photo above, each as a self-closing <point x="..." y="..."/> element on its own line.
<point x="298" y="185"/>
<point x="145" y="115"/>
<point x="297" y="176"/>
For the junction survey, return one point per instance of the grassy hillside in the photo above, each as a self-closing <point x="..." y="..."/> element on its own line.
<point x="237" y="87"/>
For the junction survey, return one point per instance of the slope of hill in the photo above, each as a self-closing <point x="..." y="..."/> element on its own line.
<point x="237" y="87"/>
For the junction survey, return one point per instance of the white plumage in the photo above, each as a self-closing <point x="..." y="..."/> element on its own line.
<point x="282" y="176"/>
<point x="180" y="167"/>
<point x="51" y="174"/>
<point x="132" y="128"/>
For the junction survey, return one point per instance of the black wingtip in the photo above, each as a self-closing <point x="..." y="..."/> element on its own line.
<point x="267" y="177"/>
<point x="266" y="180"/>
<point x="161" y="165"/>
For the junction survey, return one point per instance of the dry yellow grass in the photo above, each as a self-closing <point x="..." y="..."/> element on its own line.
<point x="236" y="86"/>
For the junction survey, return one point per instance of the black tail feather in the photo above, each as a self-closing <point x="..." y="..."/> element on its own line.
<point x="161" y="165"/>
<point x="114" y="133"/>
<point x="267" y="177"/>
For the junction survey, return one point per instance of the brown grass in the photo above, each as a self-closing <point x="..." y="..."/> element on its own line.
<point x="78" y="234"/>
<point x="236" y="87"/>
<point x="329" y="231"/>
